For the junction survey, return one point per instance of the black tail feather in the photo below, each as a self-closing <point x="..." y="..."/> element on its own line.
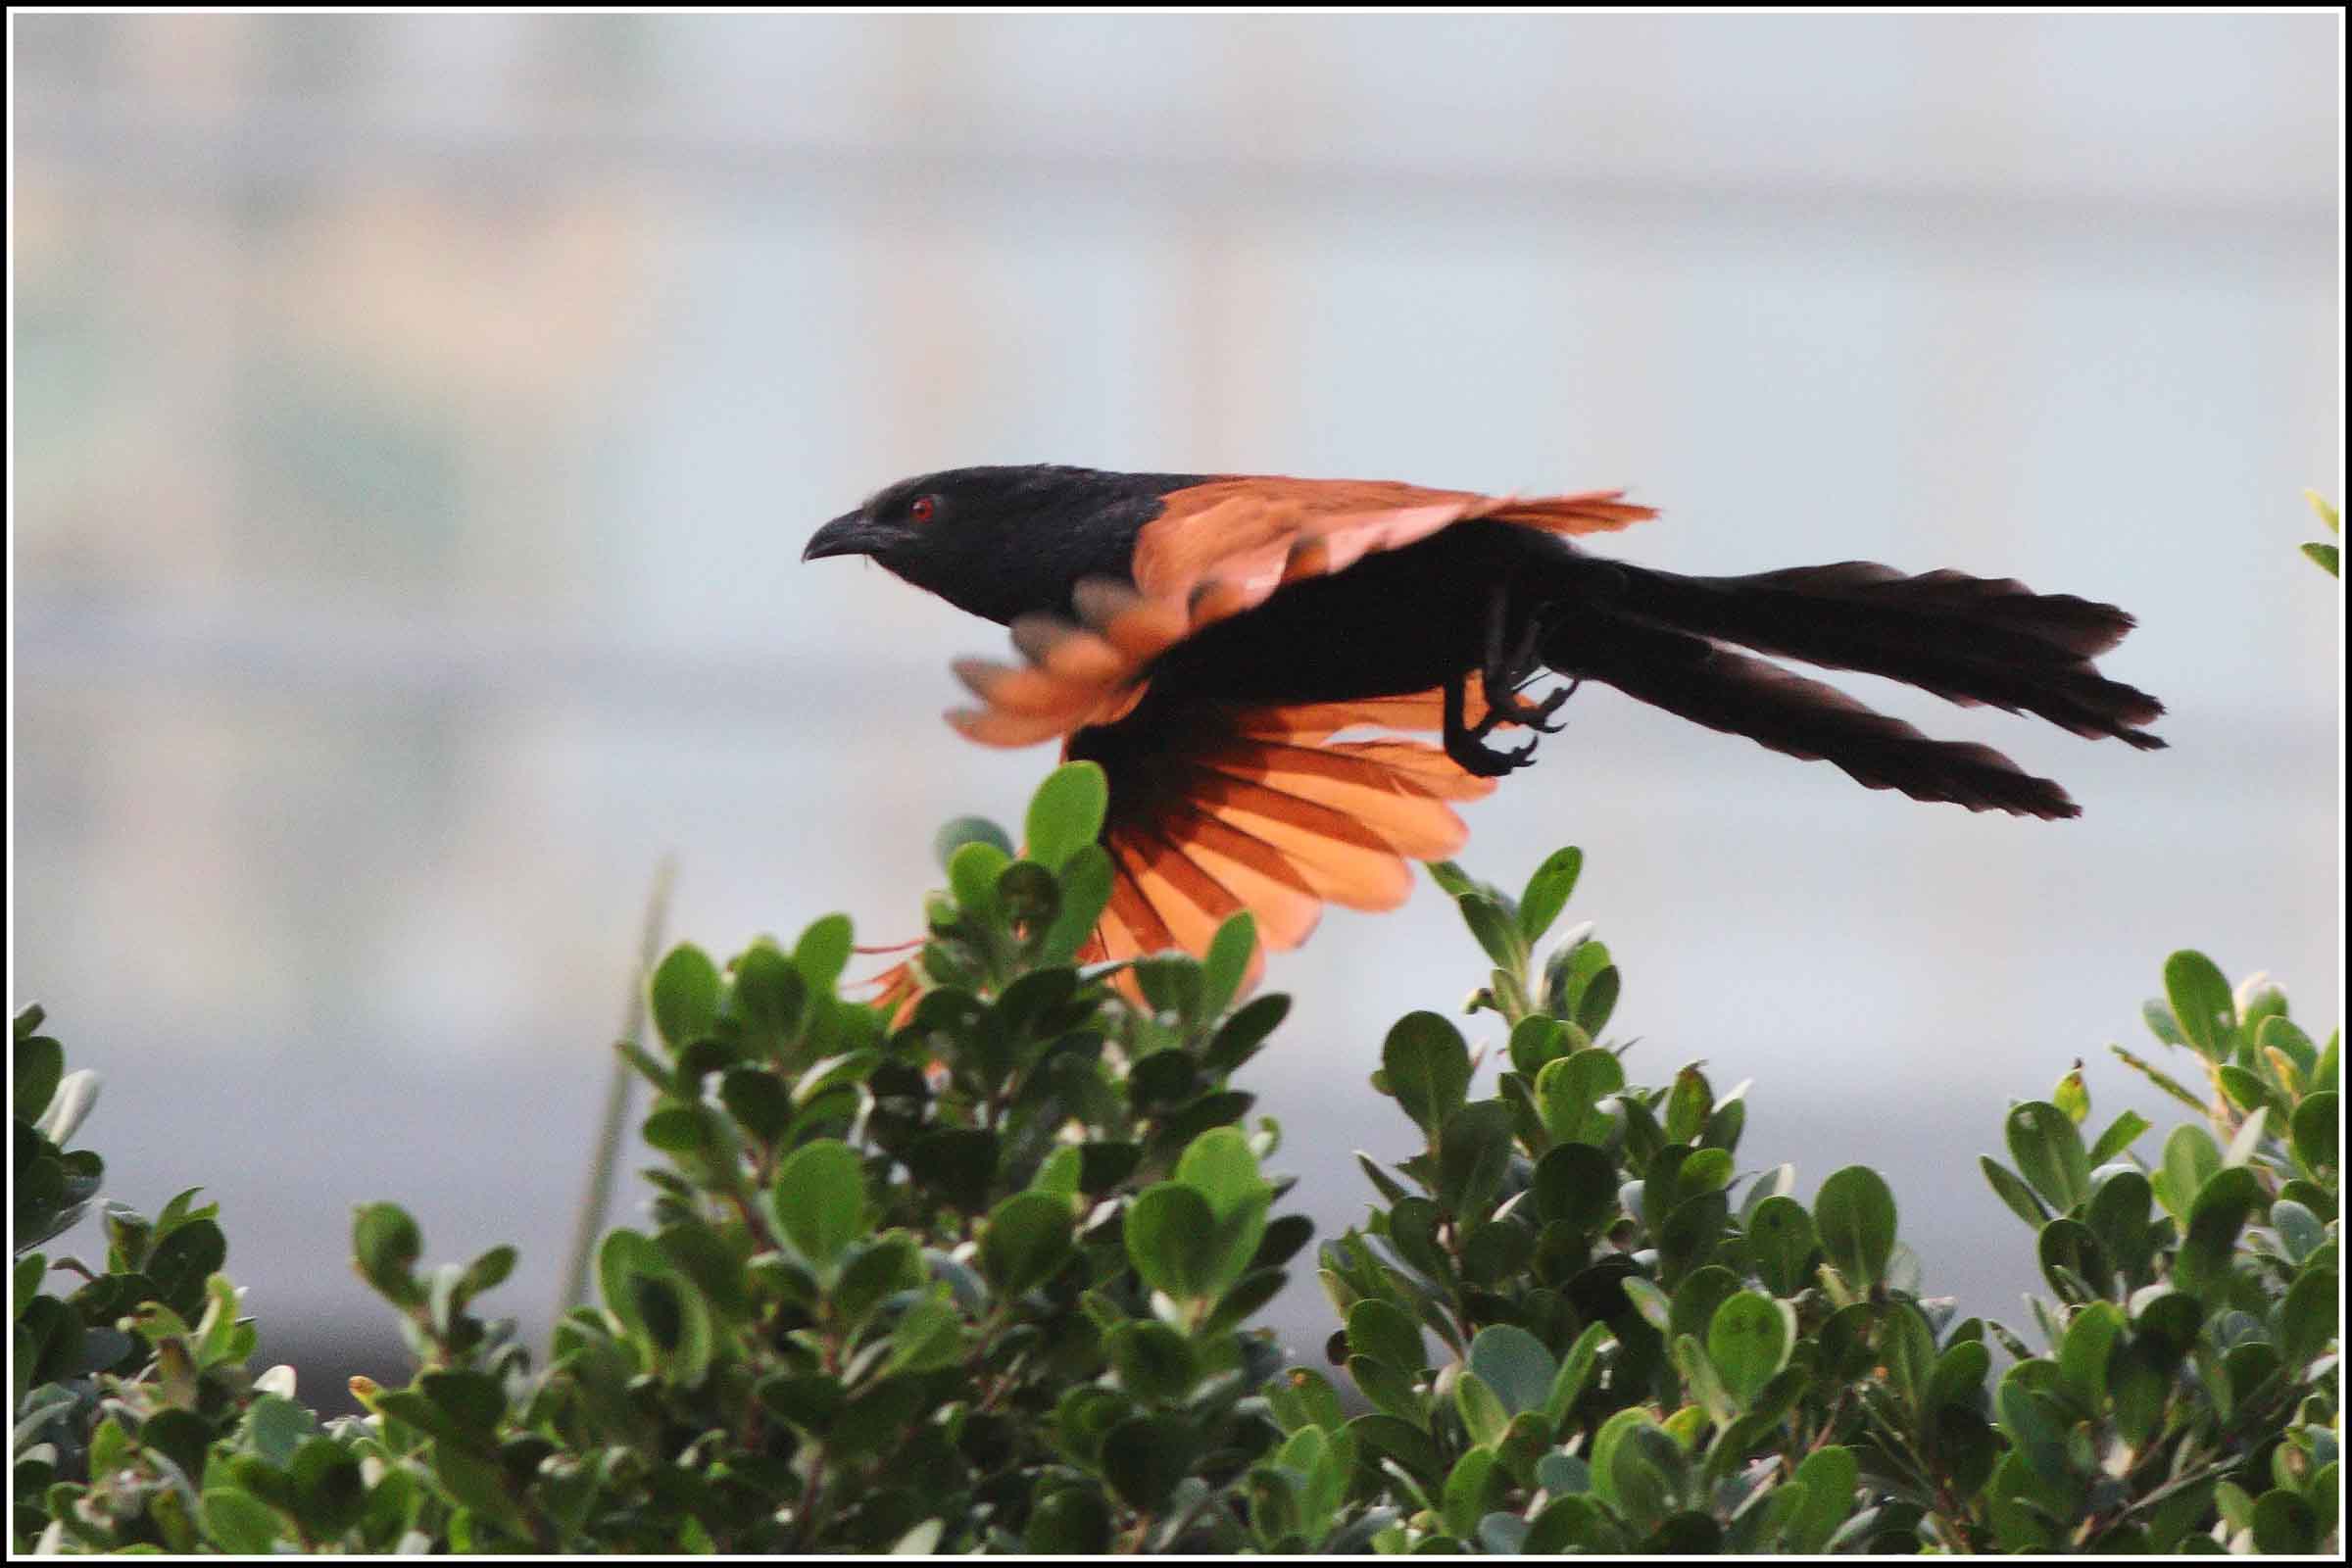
<point x="1657" y="636"/>
<point x="1969" y="640"/>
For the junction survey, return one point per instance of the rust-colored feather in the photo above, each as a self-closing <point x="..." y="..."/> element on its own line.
<point x="1258" y="874"/>
<point x="1382" y="799"/>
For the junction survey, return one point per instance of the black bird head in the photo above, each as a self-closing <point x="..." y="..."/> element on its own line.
<point x="1002" y="541"/>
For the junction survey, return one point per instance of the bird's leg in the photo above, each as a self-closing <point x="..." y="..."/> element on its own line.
<point x="1466" y="743"/>
<point x="1504" y="673"/>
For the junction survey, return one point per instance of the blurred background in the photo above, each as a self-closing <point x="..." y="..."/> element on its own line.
<point x="418" y="419"/>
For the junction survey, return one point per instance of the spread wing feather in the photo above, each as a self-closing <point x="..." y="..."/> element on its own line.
<point x="1263" y="809"/>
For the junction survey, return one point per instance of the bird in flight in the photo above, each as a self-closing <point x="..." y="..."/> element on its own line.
<point x="1254" y="660"/>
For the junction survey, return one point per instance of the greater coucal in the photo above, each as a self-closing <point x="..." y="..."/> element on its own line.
<point x="1207" y="639"/>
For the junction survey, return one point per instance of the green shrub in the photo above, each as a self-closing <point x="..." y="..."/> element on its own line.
<point x="987" y="1281"/>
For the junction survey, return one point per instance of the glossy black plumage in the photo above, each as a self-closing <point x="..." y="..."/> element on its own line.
<point x="1166" y="616"/>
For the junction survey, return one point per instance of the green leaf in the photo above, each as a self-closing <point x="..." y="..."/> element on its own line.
<point x="1483" y="1417"/>
<point x="1696" y="1300"/>
<point x="36" y="1065"/>
<point x="1492" y="927"/>
<point x="820" y="1199"/>
<point x="972" y="876"/>
<point x="1624" y="1474"/>
<point x="2048" y="1150"/>
<point x="2203" y="1009"/>
<point x="1575" y="1185"/>
<point x="2138" y="1383"/>
<point x="472" y="1400"/>
<point x="958" y="1163"/>
<point x="2248" y="1137"/>
<point x="236" y="1522"/>
<point x="2191" y="1159"/>
<point x="330" y="1497"/>
<point x="1072" y="1521"/>
<point x="769" y="996"/>
<point x="1426" y="1066"/>
<point x="1086" y="880"/>
<point x="1959" y="1376"/>
<point x="1536" y="1040"/>
<point x="2073" y="1096"/>
<point x="1547" y="893"/>
<point x="1688" y="1238"/>
<point x="2072" y="1260"/>
<point x="1221" y="1166"/>
<point x="1382" y="1331"/>
<point x="1576" y="1369"/>
<point x="1144" y="1458"/>
<point x="2283" y="1523"/>
<point x="2014" y="1192"/>
<point x="2118" y="1217"/>
<point x="1514" y="1364"/>
<point x="1240" y="1035"/>
<point x="1686" y="1105"/>
<point x="277" y="1427"/>
<point x="2246" y="1089"/>
<point x="2306" y="1319"/>
<point x="2091" y="1337"/>
<point x="1154" y="1361"/>
<point x="758" y="1101"/>
<point x="2300" y="1231"/>
<point x="1854" y="1216"/>
<point x="1227" y="963"/>
<point x="822" y="953"/>
<point x="684" y="996"/>
<point x="1027" y="1240"/>
<point x="1781" y="1240"/>
<point x="2315" y="1133"/>
<point x="1066" y="813"/>
<point x="1749" y="1340"/>
<point x="2121" y="1134"/>
<point x="1569" y="1091"/>
<point x="928" y="1338"/>
<point x="1388" y="1389"/>
<point x="386" y="1245"/>
<point x="963" y="830"/>
<point x="2323" y="508"/>
<point x="1828" y="1476"/>
<point x="1473" y="1488"/>
<point x="872" y="1271"/>
<point x="1474" y="1153"/>
<point x="1566" y="1521"/>
<point x="1172" y="1240"/>
<point x="1654" y="1306"/>
<point x="1029" y="896"/>
<point x="2279" y="1036"/>
<point x="2221" y="1208"/>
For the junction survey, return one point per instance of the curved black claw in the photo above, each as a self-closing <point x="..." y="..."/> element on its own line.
<point x="1535" y="716"/>
<point x="1539" y="718"/>
<point x="1489" y="762"/>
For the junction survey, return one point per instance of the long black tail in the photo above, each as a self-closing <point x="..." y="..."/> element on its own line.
<point x="1659" y="637"/>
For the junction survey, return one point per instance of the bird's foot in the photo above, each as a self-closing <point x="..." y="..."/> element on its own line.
<point x="1488" y="762"/>
<point x="1506" y="706"/>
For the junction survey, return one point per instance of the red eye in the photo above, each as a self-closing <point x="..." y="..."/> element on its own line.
<point x="923" y="509"/>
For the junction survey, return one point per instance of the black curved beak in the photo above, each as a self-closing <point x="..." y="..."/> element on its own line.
<point x="849" y="534"/>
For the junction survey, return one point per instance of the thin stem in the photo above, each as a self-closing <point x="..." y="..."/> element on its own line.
<point x="597" y="1201"/>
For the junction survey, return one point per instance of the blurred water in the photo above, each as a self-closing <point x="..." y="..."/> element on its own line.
<point x="420" y="417"/>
